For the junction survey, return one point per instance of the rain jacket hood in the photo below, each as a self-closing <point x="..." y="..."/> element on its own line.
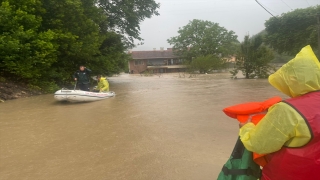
<point x="103" y="84"/>
<point x="102" y="79"/>
<point x="299" y="76"/>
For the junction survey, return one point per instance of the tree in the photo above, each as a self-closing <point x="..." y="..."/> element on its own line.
<point x="124" y="16"/>
<point x="253" y="58"/>
<point x="202" y="38"/>
<point x="43" y="42"/>
<point x="25" y="50"/>
<point x="112" y="58"/>
<point x="205" y="64"/>
<point x="92" y="32"/>
<point x="291" y="31"/>
<point x="77" y="34"/>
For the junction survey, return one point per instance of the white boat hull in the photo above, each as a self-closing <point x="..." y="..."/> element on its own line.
<point x="81" y="96"/>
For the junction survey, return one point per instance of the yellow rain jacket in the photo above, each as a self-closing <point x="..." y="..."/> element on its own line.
<point x="103" y="85"/>
<point x="297" y="77"/>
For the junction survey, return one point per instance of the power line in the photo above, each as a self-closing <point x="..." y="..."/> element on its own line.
<point x="308" y="2"/>
<point x="270" y="9"/>
<point x="264" y="8"/>
<point x="287" y="4"/>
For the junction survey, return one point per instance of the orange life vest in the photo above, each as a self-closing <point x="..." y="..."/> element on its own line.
<point x="257" y="111"/>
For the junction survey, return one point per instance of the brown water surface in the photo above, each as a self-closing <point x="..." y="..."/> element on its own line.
<point x="158" y="128"/>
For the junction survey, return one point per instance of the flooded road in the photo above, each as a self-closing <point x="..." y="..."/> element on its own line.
<point x="162" y="128"/>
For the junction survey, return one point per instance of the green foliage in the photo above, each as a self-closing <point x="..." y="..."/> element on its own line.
<point x="281" y="58"/>
<point x="2" y="79"/>
<point x="205" y="64"/>
<point x="234" y="72"/>
<point x="147" y="73"/>
<point x="112" y="58"/>
<point x="125" y="16"/>
<point x="43" y="42"/>
<point x="24" y="50"/>
<point x="293" y="30"/>
<point x="253" y="58"/>
<point x="47" y="86"/>
<point x="202" y="38"/>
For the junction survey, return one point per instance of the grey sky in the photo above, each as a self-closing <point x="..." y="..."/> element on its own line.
<point x="241" y="16"/>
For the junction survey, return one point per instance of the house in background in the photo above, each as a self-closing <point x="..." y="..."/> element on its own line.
<point x="155" y="61"/>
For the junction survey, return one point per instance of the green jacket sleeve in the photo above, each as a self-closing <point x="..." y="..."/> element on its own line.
<point x="281" y="126"/>
<point x="88" y="70"/>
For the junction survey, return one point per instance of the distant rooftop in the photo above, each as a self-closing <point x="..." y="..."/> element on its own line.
<point x="153" y="54"/>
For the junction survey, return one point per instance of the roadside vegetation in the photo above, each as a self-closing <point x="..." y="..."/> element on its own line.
<point x="207" y="47"/>
<point x="42" y="42"/>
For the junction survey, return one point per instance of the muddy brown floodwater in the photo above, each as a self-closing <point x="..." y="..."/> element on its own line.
<point x="161" y="128"/>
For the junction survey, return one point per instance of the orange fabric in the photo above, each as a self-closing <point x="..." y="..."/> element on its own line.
<point x="243" y="110"/>
<point x="260" y="159"/>
<point x="257" y="111"/>
<point x="256" y="118"/>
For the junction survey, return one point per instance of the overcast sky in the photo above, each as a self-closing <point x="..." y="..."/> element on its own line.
<point x="241" y="16"/>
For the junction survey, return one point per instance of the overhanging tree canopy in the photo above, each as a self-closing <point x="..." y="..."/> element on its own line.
<point x="125" y="16"/>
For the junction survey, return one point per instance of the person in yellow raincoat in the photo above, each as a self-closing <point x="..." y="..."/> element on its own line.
<point x="290" y="132"/>
<point x="103" y="84"/>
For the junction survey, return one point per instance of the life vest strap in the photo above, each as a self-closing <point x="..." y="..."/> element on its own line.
<point x="247" y="172"/>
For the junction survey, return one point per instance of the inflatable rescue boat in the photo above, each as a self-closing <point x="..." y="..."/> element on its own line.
<point x="81" y="96"/>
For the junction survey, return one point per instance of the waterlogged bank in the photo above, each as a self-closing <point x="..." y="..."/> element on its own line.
<point x="12" y="90"/>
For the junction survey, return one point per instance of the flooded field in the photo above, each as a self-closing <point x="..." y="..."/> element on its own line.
<point x="158" y="127"/>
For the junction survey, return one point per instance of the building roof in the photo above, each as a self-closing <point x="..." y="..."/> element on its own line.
<point x="154" y="54"/>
